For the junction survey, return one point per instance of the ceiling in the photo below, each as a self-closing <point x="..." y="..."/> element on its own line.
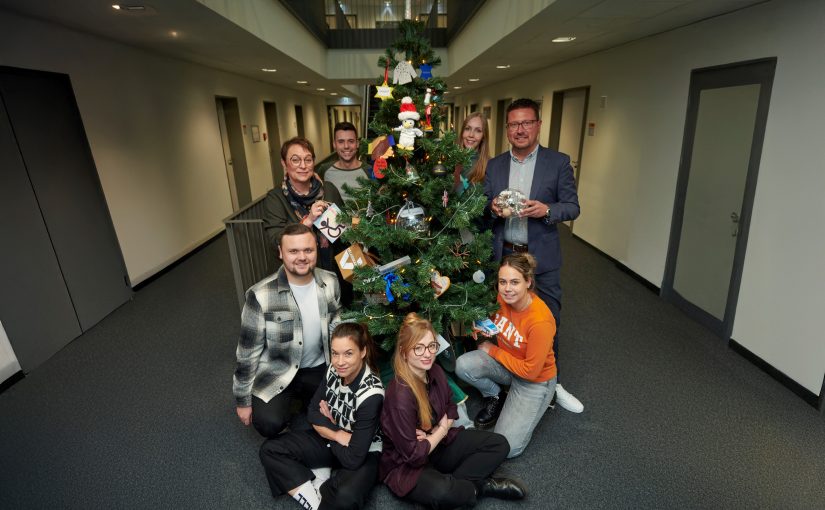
<point x="188" y="30"/>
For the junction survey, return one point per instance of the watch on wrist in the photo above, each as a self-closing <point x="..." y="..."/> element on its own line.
<point x="547" y="214"/>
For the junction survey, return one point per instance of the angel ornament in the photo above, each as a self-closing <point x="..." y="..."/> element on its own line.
<point x="407" y="130"/>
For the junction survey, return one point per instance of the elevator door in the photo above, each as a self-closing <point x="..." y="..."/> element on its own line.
<point x="50" y="164"/>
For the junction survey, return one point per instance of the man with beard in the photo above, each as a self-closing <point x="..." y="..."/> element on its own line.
<point x="283" y="350"/>
<point x="347" y="168"/>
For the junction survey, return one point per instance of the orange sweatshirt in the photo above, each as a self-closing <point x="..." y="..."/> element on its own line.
<point x="525" y="344"/>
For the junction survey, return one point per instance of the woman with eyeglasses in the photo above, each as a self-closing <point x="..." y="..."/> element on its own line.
<point x="522" y="357"/>
<point x="344" y="413"/>
<point x="425" y="458"/>
<point x="301" y="198"/>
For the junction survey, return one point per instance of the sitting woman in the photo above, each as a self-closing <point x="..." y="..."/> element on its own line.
<point x="344" y="413"/>
<point x="523" y="358"/>
<point x="425" y="459"/>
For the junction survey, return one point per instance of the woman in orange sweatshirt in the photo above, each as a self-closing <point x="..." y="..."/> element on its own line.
<point x="522" y="357"/>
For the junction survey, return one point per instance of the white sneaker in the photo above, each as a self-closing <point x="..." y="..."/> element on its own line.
<point x="322" y="474"/>
<point x="568" y="401"/>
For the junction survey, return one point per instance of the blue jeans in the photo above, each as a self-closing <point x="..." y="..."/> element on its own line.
<point x="525" y="404"/>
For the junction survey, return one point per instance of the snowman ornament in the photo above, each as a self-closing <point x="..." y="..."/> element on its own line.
<point x="407" y="130"/>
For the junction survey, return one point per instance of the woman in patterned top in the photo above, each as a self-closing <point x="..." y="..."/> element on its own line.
<point x="344" y="414"/>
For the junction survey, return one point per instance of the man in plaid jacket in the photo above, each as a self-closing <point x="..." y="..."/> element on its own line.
<point x="286" y="322"/>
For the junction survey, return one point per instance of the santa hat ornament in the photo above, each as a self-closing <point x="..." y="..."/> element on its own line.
<point x="408" y="110"/>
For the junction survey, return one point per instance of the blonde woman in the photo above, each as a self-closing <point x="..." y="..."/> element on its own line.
<point x="475" y="135"/>
<point x="425" y="458"/>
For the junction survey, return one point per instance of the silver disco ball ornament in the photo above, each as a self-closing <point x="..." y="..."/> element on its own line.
<point x="413" y="217"/>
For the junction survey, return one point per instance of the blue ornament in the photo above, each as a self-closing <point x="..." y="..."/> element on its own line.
<point x="426" y="71"/>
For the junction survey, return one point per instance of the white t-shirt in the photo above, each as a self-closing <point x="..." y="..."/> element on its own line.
<point x="306" y="296"/>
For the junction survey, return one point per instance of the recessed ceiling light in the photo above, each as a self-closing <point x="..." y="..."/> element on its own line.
<point x="506" y="66"/>
<point x="457" y="87"/>
<point x="131" y="8"/>
<point x="173" y="33"/>
<point x="472" y="79"/>
<point x="302" y="82"/>
<point x="333" y="93"/>
<point x="264" y="69"/>
<point x="566" y="38"/>
<point x="320" y="89"/>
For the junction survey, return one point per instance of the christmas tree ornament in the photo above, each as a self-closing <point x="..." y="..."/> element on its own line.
<point x="395" y="264"/>
<point x="439" y="169"/>
<point x="413" y="218"/>
<point x="412" y="175"/>
<point x="403" y="73"/>
<point x="389" y="279"/>
<point x="370" y="210"/>
<point x="380" y="149"/>
<point x="378" y="168"/>
<point x="407" y="130"/>
<point x="439" y="283"/>
<point x="384" y="91"/>
<point x="426" y="71"/>
<point x="479" y="277"/>
<point x="445" y="198"/>
<point x="428" y="125"/>
<point x="510" y="201"/>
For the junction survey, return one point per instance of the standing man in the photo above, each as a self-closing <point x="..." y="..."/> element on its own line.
<point x="546" y="178"/>
<point x="286" y="323"/>
<point x="348" y="167"/>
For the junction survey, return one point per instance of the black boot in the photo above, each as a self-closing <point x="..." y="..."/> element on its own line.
<point x="503" y="488"/>
<point x="491" y="408"/>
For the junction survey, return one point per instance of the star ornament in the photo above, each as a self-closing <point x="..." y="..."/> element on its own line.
<point x="384" y="91"/>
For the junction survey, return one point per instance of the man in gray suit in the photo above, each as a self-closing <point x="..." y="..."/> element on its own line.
<point x="546" y="178"/>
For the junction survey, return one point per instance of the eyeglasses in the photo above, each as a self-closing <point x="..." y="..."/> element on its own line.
<point x="418" y="350"/>
<point x="296" y="161"/>
<point x="526" y="124"/>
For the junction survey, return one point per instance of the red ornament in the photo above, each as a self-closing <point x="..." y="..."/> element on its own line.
<point x="378" y="167"/>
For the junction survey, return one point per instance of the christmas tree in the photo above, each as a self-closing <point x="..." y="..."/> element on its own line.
<point x="430" y="256"/>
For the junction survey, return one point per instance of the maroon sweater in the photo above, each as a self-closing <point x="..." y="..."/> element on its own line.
<point x="404" y="457"/>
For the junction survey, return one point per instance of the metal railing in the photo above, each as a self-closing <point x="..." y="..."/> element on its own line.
<point x="251" y="258"/>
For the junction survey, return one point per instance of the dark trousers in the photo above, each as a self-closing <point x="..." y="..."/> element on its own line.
<point x="270" y="418"/>
<point x="457" y="471"/>
<point x="548" y="288"/>
<point x="288" y="460"/>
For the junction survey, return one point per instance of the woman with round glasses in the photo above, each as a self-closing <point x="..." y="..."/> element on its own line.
<point x="425" y="458"/>
<point x="344" y="413"/>
<point x="475" y="135"/>
<point x="522" y="358"/>
<point x="302" y="198"/>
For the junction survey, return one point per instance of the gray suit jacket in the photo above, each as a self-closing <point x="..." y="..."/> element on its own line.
<point x="553" y="184"/>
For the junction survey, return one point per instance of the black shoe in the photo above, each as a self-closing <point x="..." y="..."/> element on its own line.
<point x="491" y="408"/>
<point x="503" y="488"/>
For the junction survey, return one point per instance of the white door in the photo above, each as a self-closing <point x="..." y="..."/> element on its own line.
<point x="713" y="204"/>
<point x="227" y="155"/>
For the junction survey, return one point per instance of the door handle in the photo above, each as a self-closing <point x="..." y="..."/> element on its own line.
<point x="735" y="227"/>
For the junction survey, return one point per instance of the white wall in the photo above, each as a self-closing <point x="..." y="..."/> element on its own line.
<point x="152" y="125"/>
<point x="629" y="168"/>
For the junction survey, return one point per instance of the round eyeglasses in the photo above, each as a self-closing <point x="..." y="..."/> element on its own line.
<point x="418" y="350"/>
<point x="296" y="161"/>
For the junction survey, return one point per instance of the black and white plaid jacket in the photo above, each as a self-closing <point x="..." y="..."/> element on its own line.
<point x="271" y="342"/>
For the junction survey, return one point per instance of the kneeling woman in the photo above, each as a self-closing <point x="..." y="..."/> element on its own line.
<point x="344" y="413"/>
<point x="425" y="459"/>
<point x="523" y="358"/>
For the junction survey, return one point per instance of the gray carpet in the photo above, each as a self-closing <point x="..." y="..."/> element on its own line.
<point x="137" y="413"/>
